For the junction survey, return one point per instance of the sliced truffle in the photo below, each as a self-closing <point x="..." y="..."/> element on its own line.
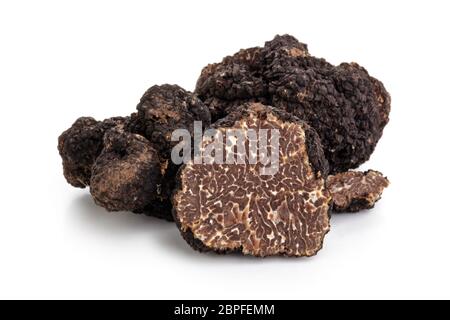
<point x="345" y="105"/>
<point x="161" y="111"/>
<point x="80" y="145"/>
<point x="354" y="191"/>
<point x="232" y="207"/>
<point x="126" y="174"/>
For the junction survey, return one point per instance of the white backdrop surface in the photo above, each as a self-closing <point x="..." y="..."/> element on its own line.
<point x="63" y="59"/>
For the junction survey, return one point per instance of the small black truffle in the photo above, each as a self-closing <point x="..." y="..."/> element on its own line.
<point x="80" y="145"/>
<point x="126" y="175"/>
<point x="161" y="111"/>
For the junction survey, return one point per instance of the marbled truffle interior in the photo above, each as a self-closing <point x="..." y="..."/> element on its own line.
<point x="232" y="207"/>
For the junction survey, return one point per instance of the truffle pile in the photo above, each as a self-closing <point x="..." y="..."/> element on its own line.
<point x="126" y="161"/>
<point x="330" y="119"/>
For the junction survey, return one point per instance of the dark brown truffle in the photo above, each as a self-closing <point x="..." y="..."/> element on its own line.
<point x="232" y="207"/>
<point x="126" y="174"/>
<point x="345" y="105"/>
<point x="355" y="191"/>
<point x="80" y="145"/>
<point x="161" y="111"/>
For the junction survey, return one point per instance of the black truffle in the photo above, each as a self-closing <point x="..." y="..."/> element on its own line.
<point x="344" y="104"/>
<point x="80" y="145"/>
<point x="354" y="191"/>
<point x="161" y="111"/>
<point x="232" y="207"/>
<point x="126" y="175"/>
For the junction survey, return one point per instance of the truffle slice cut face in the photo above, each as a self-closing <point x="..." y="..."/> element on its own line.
<point x="126" y="174"/>
<point x="354" y="191"/>
<point x="232" y="207"/>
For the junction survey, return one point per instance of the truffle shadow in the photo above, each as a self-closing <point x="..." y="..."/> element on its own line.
<point x="86" y="213"/>
<point x="363" y="222"/>
<point x="172" y="241"/>
<point x="115" y="224"/>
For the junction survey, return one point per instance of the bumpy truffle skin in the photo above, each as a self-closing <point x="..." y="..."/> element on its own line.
<point x="126" y="174"/>
<point x="80" y="145"/>
<point x="162" y="110"/>
<point x="345" y="105"/>
<point x="354" y="191"/>
<point x="232" y="207"/>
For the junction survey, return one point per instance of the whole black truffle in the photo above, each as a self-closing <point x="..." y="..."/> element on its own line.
<point x="126" y="175"/>
<point x="162" y="110"/>
<point x="232" y="207"/>
<point x="344" y="104"/>
<point x="80" y="145"/>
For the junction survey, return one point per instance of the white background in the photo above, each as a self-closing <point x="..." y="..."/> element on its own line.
<point x="63" y="59"/>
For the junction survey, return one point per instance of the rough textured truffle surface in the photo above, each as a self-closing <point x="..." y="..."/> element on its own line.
<point x="126" y="174"/>
<point x="162" y="110"/>
<point x="80" y="145"/>
<point x="355" y="191"/>
<point x="232" y="207"/>
<point x="345" y="105"/>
